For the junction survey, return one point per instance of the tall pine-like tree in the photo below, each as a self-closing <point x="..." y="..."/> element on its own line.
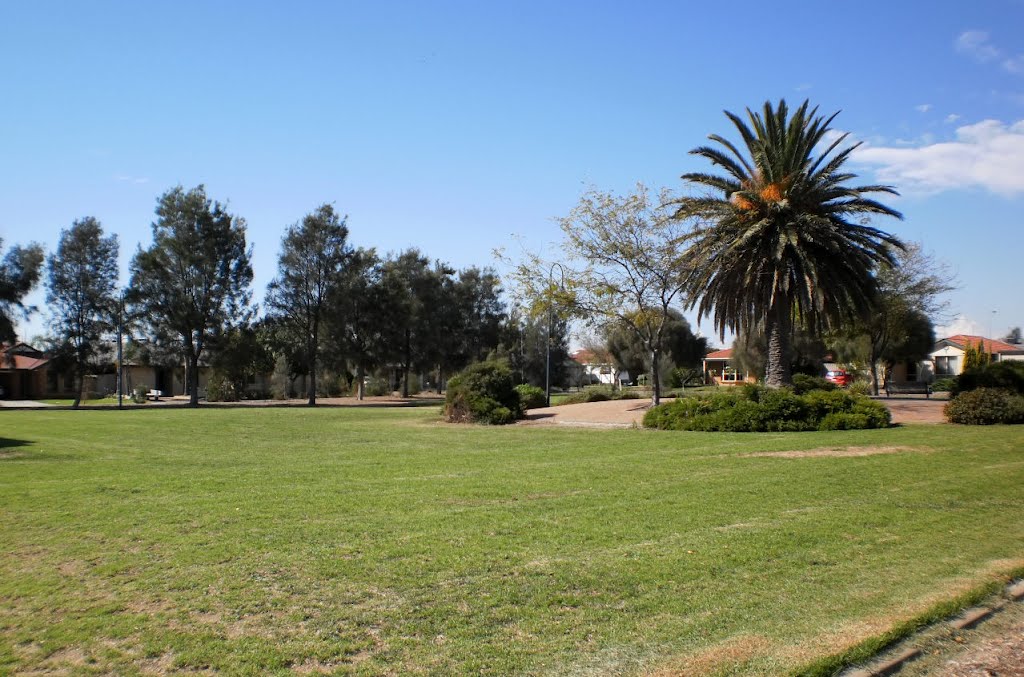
<point x="82" y="293"/>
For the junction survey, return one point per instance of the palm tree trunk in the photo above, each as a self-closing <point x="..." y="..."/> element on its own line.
<point x="778" y="371"/>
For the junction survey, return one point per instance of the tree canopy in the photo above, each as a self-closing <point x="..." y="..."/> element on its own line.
<point x="622" y="264"/>
<point x="20" y="269"/>
<point x="314" y="259"/>
<point x="192" y="284"/>
<point x="781" y="238"/>
<point x="82" y="293"/>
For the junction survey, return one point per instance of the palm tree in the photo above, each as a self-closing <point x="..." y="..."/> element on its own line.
<point x="780" y="240"/>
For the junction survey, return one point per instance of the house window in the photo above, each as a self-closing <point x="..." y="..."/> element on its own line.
<point x="945" y="365"/>
<point x="730" y="374"/>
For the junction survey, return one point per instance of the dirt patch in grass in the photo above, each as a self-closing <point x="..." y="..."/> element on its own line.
<point x="837" y="452"/>
<point x="722" y="658"/>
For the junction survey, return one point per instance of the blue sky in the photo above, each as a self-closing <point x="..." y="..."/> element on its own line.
<point x="454" y="126"/>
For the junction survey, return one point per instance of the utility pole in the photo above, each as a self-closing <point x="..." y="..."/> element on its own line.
<point x="120" y="352"/>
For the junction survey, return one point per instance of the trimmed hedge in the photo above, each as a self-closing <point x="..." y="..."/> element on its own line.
<point x="483" y="393"/>
<point x="758" y="409"/>
<point x="985" y="406"/>
<point x="1008" y="375"/>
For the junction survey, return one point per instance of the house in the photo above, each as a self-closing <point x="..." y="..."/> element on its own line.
<point x="947" y="358"/>
<point x="27" y="373"/>
<point x="719" y="368"/>
<point x="599" y="367"/>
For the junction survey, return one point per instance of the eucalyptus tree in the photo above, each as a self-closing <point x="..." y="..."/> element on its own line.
<point x="20" y="270"/>
<point x="82" y="293"/>
<point x="622" y="265"/>
<point x="781" y="239"/>
<point x="191" y="286"/>
<point x="314" y="256"/>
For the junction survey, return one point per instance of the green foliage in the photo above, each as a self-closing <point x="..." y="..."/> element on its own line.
<point x="531" y="397"/>
<point x="483" y="393"/>
<point x="219" y="388"/>
<point x="783" y="206"/>
<point x="944" y="385"/>
<point x="985" y="406"/>
<point x="859" y="388"/>
<point x="975" y="356"/>
<point x="803" y="383"/>
<point x="20" y="269"/>
<point x="192" y="284"/>
<point x="139" y="394"/>
<point x="1008" y="374"/>
<point x="599" y="394"/>
<point x="314" y="258"/>
<point x="754" y="408"/>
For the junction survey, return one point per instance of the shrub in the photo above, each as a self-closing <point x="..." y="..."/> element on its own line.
<point x="944" y="385"/>
<point x="755" y="408"/>
<point x="600" y="394"/>
<point x="483" y="393"/>
<point x="802" y="383"/>
<point x="985" y="406"/>
<point x="859" y="388"/>
<point x="139" y="394"/>
<point x="531" y="397"/>
<point x="220" y="389"/>
<point x="1008" y="375"/>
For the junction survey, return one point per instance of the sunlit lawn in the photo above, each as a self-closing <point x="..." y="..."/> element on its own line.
<point x="377" y="540"/>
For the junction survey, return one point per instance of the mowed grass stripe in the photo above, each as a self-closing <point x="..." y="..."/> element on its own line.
<point x="374" y="540"/>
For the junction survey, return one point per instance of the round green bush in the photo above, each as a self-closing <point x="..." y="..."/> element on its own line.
<point x="483" y="393"/>
<point x="531" y="397"/>
<point x="802" y="383"/>
<point x="985" y="406"/>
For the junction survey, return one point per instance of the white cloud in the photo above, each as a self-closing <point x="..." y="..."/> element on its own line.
<point x="124" y="178"/>
<point x="961" y="324"/>
<point x="923" y="108"/>
<point x="975" y="44"/>
<point x="951" y="118"/>
<point x="1014" y="64"/>
<point x="987" y="155"/>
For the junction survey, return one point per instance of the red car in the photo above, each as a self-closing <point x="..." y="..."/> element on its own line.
<point x="839" y="377"/>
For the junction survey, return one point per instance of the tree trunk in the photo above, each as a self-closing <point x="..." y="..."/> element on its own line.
<point x="80" y="380"/>
<point x="405" y="365"/>
<point x="778" y="371"/>
<point x="360" y="380"/>
<point x="873" y="370"/>
<point x="655" y="379"/>
<point x="193" y="379"/>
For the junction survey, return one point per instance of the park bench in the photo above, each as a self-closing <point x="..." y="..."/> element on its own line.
<point x="154" y="395"/>
<point x="915" y="388"/>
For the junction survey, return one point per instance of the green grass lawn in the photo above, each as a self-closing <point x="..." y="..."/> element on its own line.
<point x="370" y="540"/>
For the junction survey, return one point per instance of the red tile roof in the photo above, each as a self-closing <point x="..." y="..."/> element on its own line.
<point x="991" y="346"/>
<point x="725" y="354"/>
<point x="587" y="356"/>
<point x="11" y="357"/>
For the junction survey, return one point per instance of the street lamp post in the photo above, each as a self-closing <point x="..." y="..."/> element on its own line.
<point x="551" y="322"/>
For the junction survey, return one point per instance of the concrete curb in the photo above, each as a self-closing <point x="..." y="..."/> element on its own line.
<point x="963" y="621"/>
